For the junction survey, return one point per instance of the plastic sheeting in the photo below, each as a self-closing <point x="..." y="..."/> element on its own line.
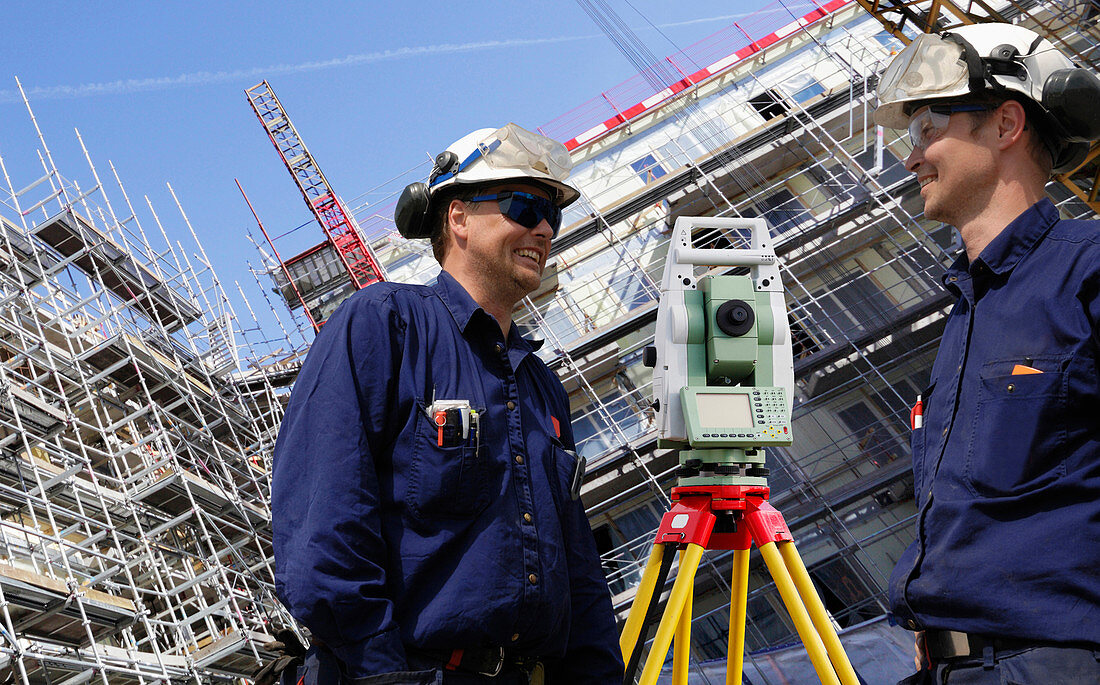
<point x="881" y="654"/>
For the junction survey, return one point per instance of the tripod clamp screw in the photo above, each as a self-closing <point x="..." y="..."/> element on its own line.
<point x="690" y="468"/>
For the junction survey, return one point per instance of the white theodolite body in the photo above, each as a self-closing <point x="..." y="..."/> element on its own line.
<point x="670" y="372"/>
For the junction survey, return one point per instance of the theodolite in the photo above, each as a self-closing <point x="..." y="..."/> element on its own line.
<point x="723" y="381"/>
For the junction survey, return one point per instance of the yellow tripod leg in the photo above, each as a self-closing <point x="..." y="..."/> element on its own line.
<point x="816" y="609"/>
<point x="739" y="598"/>
<point x="685" y="580"/>
<point x="634" y="620"/>
<point x="681" y="644"/>
<point x="802" y="623"/>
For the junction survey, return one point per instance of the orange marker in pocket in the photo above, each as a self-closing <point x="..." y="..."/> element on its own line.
<point x="1021" y="370"/>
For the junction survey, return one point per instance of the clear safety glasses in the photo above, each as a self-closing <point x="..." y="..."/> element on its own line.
<point x="929" y="123"/>
<point x="525" y="209"/>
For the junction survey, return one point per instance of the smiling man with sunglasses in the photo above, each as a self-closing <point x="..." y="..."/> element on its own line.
<point x="1001" y="583"/>
<point x="425" y="492"/>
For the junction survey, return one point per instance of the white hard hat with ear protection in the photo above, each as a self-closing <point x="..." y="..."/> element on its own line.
<point x="996" y="58"/>
<point x="484" y="157"/>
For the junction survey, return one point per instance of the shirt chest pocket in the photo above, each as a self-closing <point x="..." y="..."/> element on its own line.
<point x="446" y="482"/>
<point x="566" y="470"/>
<point x="1019" y="431"/>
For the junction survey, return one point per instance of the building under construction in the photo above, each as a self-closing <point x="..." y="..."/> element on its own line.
<point x="135" y="536"/>
<point x="139" y="404"/>
<point x="769" y="117"/>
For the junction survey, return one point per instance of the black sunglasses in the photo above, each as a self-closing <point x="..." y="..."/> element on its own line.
<point x="525" y="209"/>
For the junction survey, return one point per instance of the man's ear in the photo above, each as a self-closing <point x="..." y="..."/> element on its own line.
<point x="458" y="218"/>
<point x="1011" y="120"/>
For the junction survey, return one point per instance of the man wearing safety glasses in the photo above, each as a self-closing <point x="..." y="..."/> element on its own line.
<point x="425" y="493"/>
<point x="1002" y="582"/>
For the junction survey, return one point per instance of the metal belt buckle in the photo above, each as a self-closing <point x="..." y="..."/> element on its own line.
<point x="499" y="665"/>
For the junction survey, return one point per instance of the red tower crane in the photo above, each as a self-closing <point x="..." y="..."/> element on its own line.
<point x="341" y="231"/>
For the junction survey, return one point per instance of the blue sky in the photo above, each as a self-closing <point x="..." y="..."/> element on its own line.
<point x="373" y="88"/>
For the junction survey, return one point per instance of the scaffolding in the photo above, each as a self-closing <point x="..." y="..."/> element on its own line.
<point x="136" y="430"/>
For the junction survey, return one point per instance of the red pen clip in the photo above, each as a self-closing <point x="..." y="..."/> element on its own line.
<point x="916" y="414"/>
<point x="440" y="421"/>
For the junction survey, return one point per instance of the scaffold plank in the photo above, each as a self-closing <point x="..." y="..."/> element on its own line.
<point x="104" y="260"/>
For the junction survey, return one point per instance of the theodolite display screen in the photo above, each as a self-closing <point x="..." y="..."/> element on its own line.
<point x="724" y="410"/>
<point x="752" y="416"/>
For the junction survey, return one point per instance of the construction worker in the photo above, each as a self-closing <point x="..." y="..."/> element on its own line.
<point x="425" y="487"/>
<point x="1002" y="580"/>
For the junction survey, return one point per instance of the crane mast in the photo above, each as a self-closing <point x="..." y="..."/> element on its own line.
<point x="341" y="230"/>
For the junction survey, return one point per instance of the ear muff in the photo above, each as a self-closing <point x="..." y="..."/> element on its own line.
<point x="1071" y="97"/>
<point x="1068" y="107"/>
<point x="411" y="213"/>
<point x="414" y="206"/>
<point x="1070" y="157"/>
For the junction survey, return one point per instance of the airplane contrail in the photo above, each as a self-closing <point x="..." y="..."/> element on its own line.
<point x="204" y="78"/>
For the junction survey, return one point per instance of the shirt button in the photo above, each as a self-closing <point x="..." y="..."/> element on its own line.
<point x="532" y="579"/>
<point x="519" y="458"/>
<point x="945" y="431"/>
<point x="511" y="405"/>
<point x="526" y="518"/>
<point x="515" y="637"/>
<point x="499" y="347"/>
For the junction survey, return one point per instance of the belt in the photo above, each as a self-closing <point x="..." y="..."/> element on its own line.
<point x="487" y="661"/>
<point x="951" y="644"/>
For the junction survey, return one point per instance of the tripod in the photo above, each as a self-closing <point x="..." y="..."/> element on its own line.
<point x="743" y="517"/>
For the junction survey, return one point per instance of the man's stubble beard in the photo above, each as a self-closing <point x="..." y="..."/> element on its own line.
<point x="505" y="280"/>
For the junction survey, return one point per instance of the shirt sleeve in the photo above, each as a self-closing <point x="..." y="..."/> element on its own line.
<point x="329" y="547"/>
<point x="592" y="651"/>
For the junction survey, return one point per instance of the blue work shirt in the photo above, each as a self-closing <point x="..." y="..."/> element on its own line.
<point x="1007" y="463"/>
<point x="386" y="542"/>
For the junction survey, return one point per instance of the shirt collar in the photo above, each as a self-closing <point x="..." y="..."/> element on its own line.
<point x="1006" y="250"/>
<point x="464" y="309"/>
<point x="1019" y="237"/>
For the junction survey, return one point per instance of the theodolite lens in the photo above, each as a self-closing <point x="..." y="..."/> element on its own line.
<point x="735" y="318"/>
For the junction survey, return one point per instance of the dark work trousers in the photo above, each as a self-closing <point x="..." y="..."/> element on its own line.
<point x="1034" y="666"/>
<point x="322" y="668"/>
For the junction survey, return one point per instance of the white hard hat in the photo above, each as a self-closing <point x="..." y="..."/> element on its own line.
<point x="996" y="58"/>
<point x="1005" y="57"/>
<point x="506" y="154"/>
<point x="486" y="156"/>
